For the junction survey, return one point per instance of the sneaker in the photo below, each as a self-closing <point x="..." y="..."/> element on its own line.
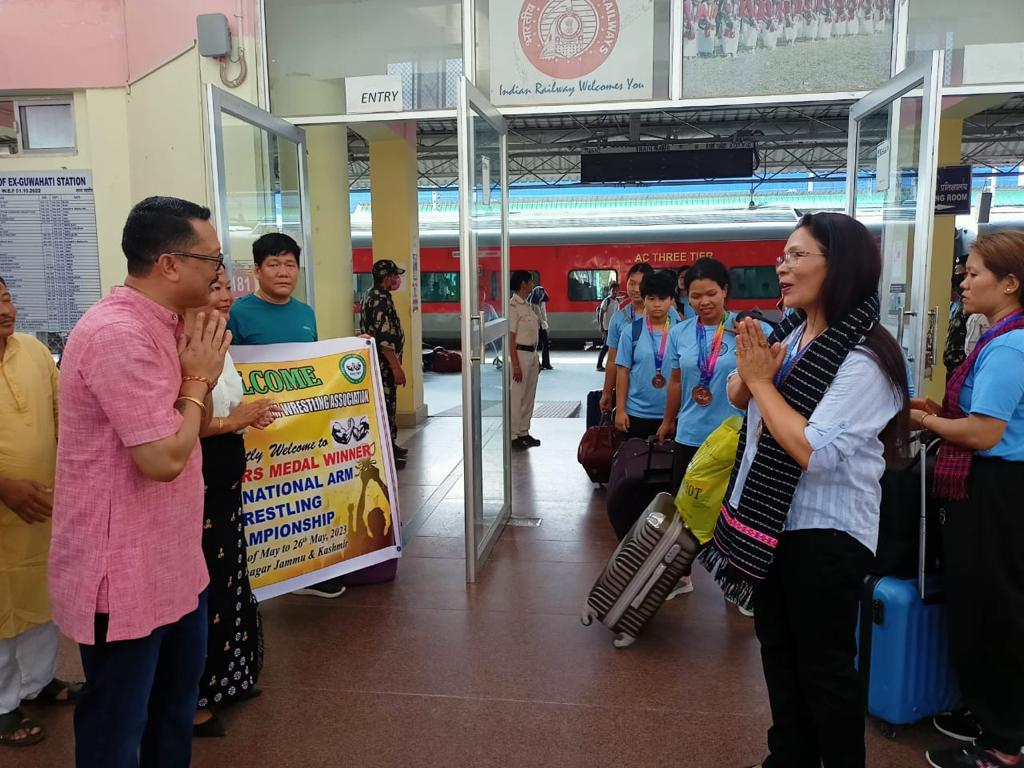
<point x="684" y="587"/>
<point x="957" y="725"/>
<point x="400" y="452"/>
<point x="329" y="588"/>
<point x="519" y="444"/>
<point x="530" y="441"/>
<point x="744" y="611"/>
<point x="600" y="368"/>
<point x="971" y="756"/>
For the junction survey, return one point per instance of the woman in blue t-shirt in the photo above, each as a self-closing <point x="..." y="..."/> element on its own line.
<point x="701" y="355"/>
<point x="980" y="469"/>
<point x="641" y="361"/>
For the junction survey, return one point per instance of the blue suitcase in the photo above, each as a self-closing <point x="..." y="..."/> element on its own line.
<point x="906" y="644"/>
<point x="903" y="639"/>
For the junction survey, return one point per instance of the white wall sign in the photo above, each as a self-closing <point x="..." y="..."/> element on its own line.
<point x="49" y="255"/>
<point x="374" y="93"/>
<point x="571" y="51"/>
<point x="882" y="160"/>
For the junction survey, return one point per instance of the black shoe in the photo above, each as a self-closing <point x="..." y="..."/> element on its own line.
<point x="600" y="367"/>
<point x="329" y="588"/>
<point x="530" y="441"/>
<point x="972" y="756"/>
<point x="519" y="444"/>
<point x="212" y="728"/>
<point x="547" y="367"/>
<point x="959" y="724"/>
<point x="400" y="452"/>
<point x="399" y="462"/>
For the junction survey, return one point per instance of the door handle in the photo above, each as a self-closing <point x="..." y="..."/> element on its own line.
<point x="929" y="348"/>
<point x="477" y="355"/>
<point x="901" y="327"/>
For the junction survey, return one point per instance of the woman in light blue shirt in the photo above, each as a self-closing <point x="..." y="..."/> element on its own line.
<point x="641" y="361"/>
<point x="826" y="399"/>
<point x="980" y="470"/>
<point x="701" y="355"/>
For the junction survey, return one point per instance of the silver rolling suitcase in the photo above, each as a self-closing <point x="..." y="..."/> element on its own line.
<point x="658" y="550"/>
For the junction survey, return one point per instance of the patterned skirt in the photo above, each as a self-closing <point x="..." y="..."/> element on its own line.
<point x="234" y="655"/>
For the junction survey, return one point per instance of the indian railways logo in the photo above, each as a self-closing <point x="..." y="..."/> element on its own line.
<point x="353" y="368"/>
<point x="568" y="38"/>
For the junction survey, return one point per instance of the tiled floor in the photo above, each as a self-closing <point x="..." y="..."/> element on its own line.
<point x="428" y="671"/>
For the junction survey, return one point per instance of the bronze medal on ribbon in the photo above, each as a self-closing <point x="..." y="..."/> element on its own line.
<point x="658" y="381"/>
<point x="702" y="396"/>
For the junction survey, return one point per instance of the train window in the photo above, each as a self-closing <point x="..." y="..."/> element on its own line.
<point x="361" y="283"/>
<point x="589" y="284"/>
<point x="754" y="283"/>
<point x="439" y="287"/>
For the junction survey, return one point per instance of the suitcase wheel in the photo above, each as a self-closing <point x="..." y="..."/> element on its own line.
<point x="588" y="617"/>
<point x="888" y="730"/>
<point x="622" y="640"/>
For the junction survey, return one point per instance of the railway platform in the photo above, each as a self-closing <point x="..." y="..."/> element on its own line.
<point x="430" y="671"/>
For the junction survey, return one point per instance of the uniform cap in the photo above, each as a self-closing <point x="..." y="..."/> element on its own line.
<point x="385" y="267"/>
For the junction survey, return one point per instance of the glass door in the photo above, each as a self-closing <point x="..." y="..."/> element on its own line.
<point x="484" y="261"/>
<point x="892" y="162"/>
<point x="261" y="185"/>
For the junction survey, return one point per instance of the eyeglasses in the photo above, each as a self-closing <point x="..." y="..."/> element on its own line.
<point x="793" y="257"/>
<point x="218" y="259"/>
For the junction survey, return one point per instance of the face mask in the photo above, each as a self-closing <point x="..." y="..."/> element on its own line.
<point x="396" y="282"/>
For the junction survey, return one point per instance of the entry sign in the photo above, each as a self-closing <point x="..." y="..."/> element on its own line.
<point x="374" y="93"/>
<point x="953" y="190"/>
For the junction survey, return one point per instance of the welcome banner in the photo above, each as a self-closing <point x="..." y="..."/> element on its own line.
<point x="319" y="496"/>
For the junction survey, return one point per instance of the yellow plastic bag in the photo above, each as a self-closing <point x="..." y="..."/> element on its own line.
<point x="699" y="499"/>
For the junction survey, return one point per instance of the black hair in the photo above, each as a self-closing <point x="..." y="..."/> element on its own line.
<point x="708" y="269"/>
<point x="274" y="244"/>
<point x="642" y="267"/>
<point x="854" y="272"/>
<point x="3" y="282"/>
<point x="159" y="225"/>
<point x="659" y="283"/>
<point x="519" y="277"/>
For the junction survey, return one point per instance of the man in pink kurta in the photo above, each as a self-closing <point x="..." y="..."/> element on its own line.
<point x="127" y="574"/>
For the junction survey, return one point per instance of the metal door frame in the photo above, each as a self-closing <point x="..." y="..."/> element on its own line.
<point x="476" y="334"/>
<point x="926" y="76"/>
<point x="220" y="102"/>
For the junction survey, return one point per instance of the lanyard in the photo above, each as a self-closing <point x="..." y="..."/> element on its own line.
<point x="659" y="354"/>
<point x="1000" y="325"/>
<point x="792" y="358"/>
<point x="707" y="359"/>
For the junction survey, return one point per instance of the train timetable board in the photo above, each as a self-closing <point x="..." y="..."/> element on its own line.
<point x="49" y="254"/>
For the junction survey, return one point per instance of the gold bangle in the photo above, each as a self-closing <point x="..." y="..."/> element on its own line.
<point x="202" y="406"/>
<point x="923" y="426"/>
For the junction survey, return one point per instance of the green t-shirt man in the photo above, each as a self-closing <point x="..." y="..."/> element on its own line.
<point x="271" y="315"/>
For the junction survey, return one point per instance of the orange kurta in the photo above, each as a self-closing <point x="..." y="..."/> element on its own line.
<point x="28" y="451"/>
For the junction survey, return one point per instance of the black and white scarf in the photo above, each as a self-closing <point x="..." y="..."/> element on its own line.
<point x="746" y="537"/>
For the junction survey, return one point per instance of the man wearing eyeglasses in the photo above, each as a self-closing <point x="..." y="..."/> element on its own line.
<point x="127" y="574"/>
<point x="272" y="315"/>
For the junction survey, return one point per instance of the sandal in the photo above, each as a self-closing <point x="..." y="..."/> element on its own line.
<point x="14" y="722"/>
<point x="52" y="690"/>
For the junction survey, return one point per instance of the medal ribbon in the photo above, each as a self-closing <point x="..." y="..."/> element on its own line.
<point x="659" y="354"/>
<point x="792" y="358"/>
<point x="707" y="359"/>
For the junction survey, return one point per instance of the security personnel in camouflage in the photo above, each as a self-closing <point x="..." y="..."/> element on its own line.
<point x="379" y="319"/>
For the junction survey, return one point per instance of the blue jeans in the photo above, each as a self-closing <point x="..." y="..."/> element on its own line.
<point x="140" y="696"/>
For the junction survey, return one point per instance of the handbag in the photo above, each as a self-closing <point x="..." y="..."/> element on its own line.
<point x="597" y="449"/>
<point x="699" y="499"/>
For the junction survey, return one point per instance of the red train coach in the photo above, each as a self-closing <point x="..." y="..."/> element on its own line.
<point x="576" y="277"/>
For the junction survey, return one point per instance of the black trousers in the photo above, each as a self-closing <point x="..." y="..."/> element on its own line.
<point x="984" y="544"/>
<point x="544" y="344"/>
<point x="387" y="380"/>
<point x="805" y="616"/>
<point x="603" y="352"/>
<point x="642" y="428"/>
<point x="684" y="455"/>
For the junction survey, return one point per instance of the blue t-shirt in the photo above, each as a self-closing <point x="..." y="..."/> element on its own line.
<point x="255" y="321"/>
<point x="644" y="400"/>
<point x="623" y="320"/>
<point x="995" y="387"/>
<point x="695" y="422"/>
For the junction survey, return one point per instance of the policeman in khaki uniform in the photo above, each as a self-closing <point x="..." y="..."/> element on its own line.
<point x="379" y="319"/>
<point x="524" y="332"/>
